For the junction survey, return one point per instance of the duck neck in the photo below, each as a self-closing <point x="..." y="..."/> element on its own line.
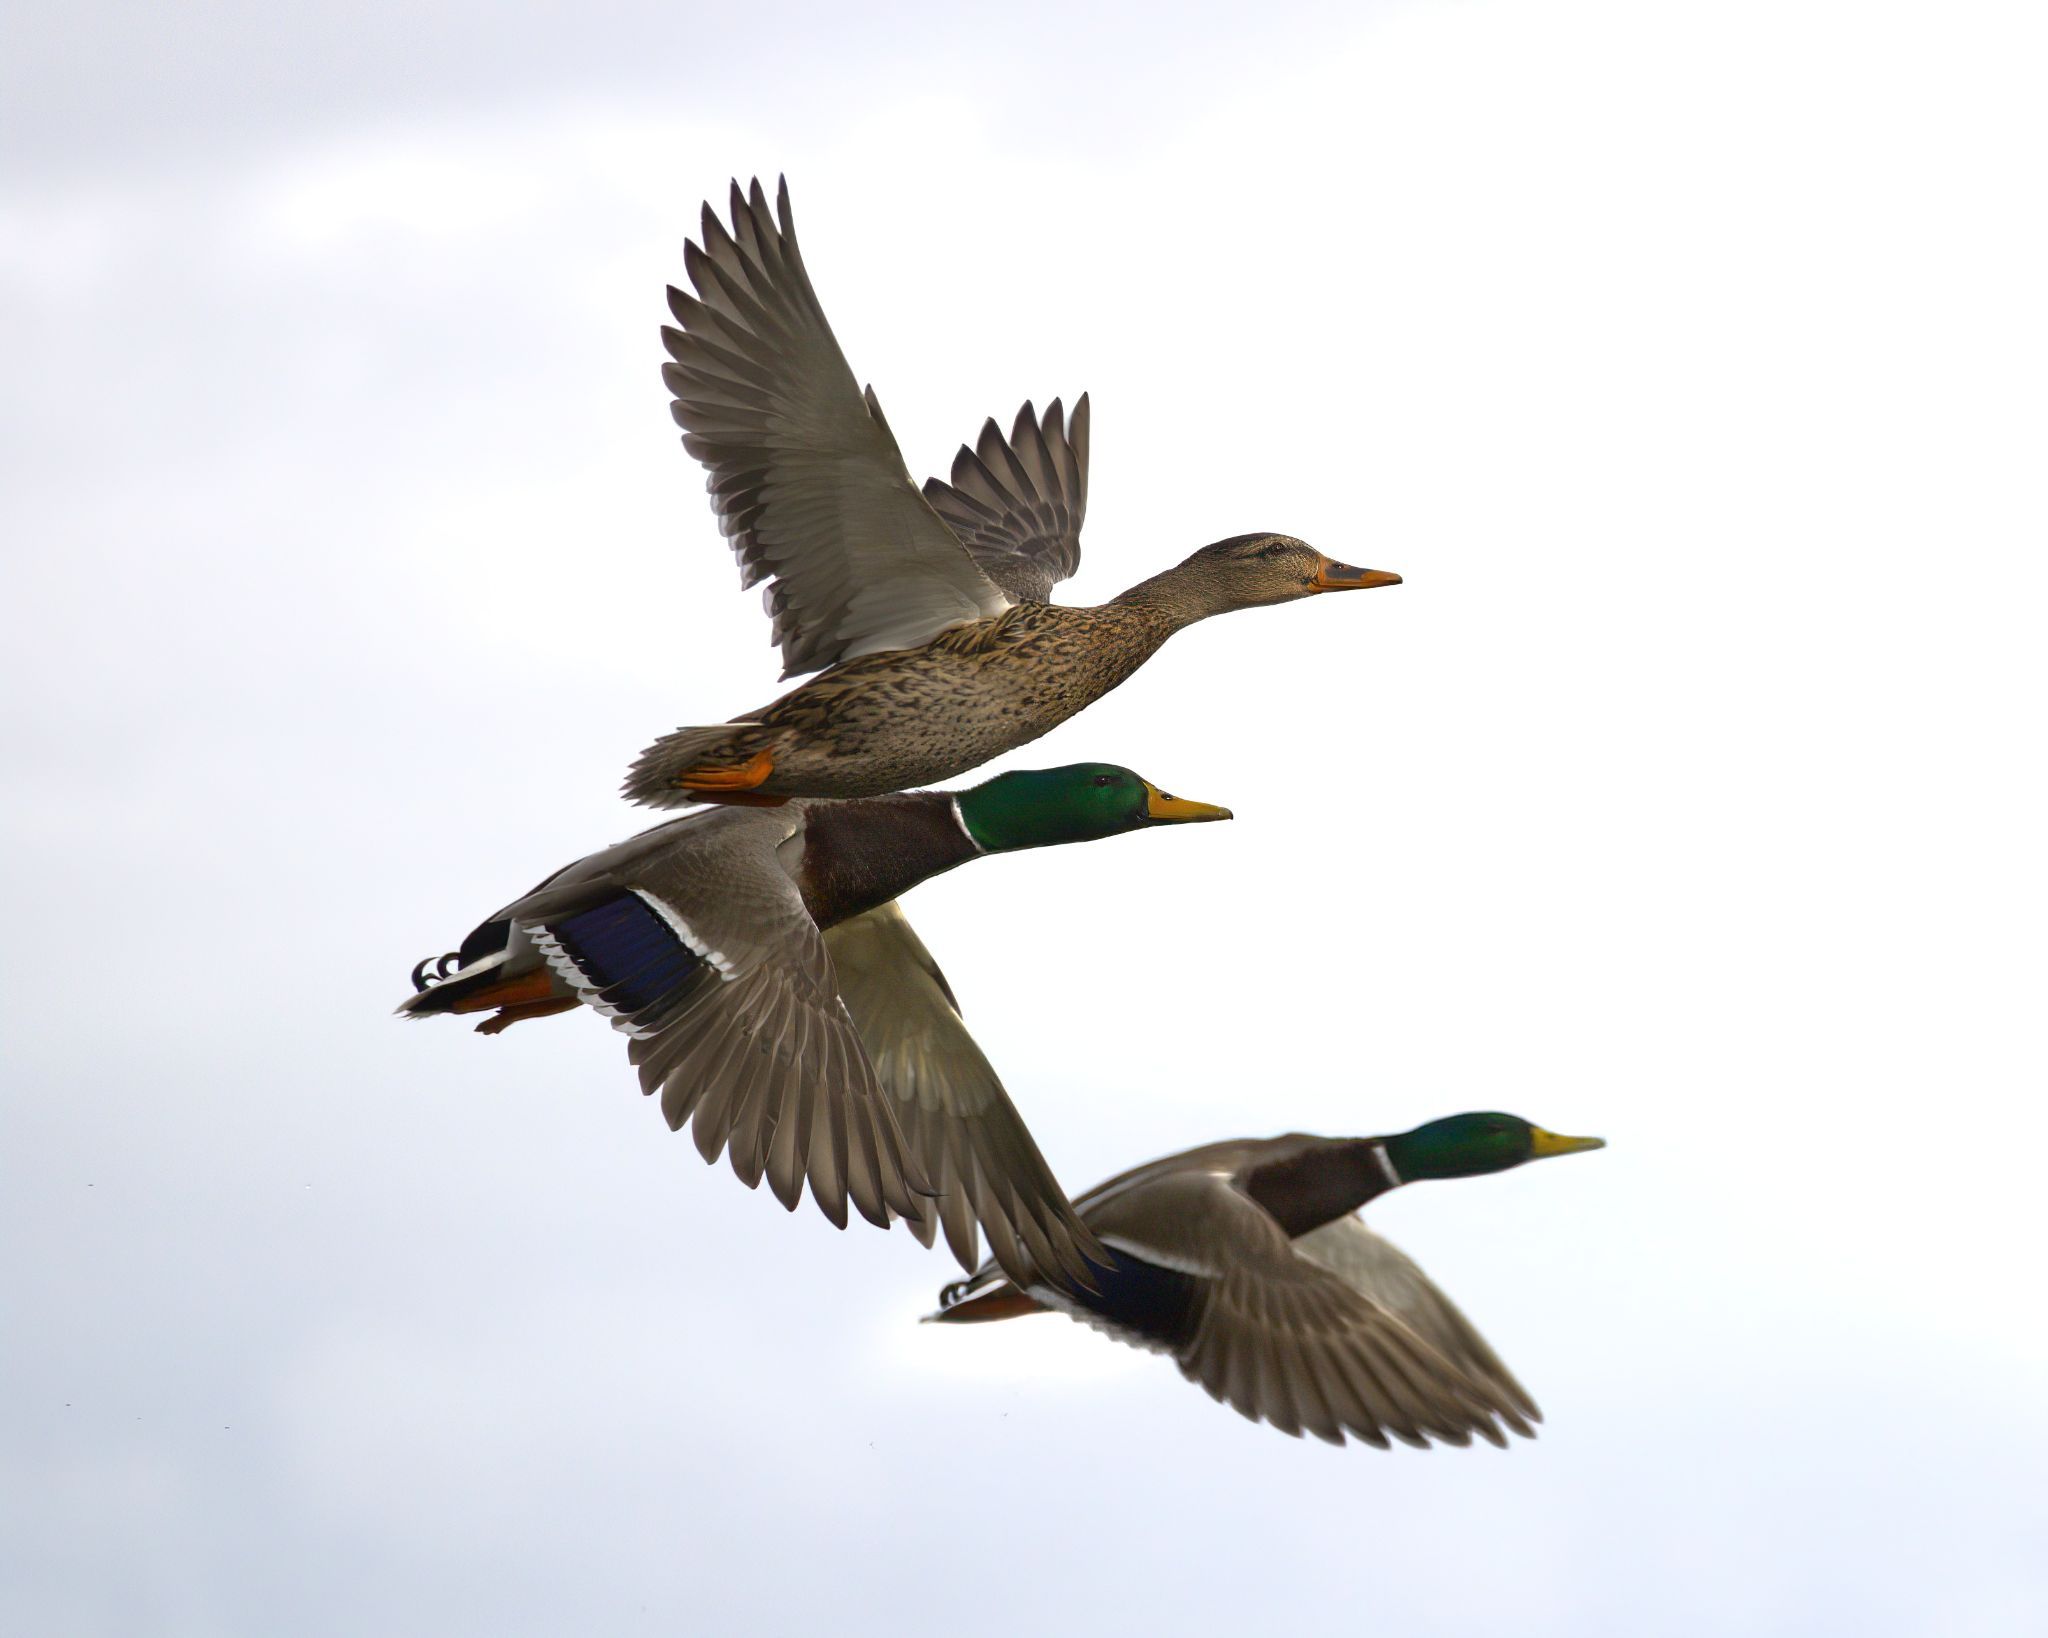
<point x="1174" y="598"/>
<point x="1323" y="1182"/>
<point x="860" y="854"/>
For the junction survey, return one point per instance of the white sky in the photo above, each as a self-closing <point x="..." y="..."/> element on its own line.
<point x="1688" y="362"/>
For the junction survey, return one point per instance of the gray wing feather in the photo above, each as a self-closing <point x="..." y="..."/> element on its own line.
<point x="1381" y="1271"/>
<point x="805" y="477"/>
<point x="749" y="1055"/>
<point x="955" y="1115"/>
<point x="1017" y="503"/>
<point x="1284" y="1340"/>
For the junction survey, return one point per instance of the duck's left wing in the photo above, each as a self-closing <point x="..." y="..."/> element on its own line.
<point x="1382" y="1271"/>
<point x="1017" y="502"/>
<point x="805" y="476"/>
<point x="704" y="955"/>
<point x="955" y="1116"/>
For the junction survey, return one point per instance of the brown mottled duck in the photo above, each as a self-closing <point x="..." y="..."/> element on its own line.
<point x="925" y="612"/>
<point x="778" y="1000"/>
<point x="1247" y="1262"/>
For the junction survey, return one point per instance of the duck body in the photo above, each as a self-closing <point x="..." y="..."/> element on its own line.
<point x="925" y="612"/>
<point x="781" y="1005"/>
<point x="906" y="717"/>
<point x="842" y="859"/>
<point x="1248" y="1263"/>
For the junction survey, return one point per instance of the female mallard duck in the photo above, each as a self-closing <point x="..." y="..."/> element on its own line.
<point x="782" y="1003"/>
<point x="928" y="610"/>
<point x="1245" y="1261"/>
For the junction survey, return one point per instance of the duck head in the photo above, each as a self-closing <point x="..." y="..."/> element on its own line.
<point x="1472" y="1145"/>
<point x="1248" y="571"/>
<point x="1081" y="802"/>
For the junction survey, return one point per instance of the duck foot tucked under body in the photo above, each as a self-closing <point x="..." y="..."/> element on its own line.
<point x="714" y="784"/>
<point x="518" y="1012"/>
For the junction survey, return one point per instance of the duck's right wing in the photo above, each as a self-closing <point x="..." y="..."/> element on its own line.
<point x="1017" y="502"/>
<point x="1278" y="1337"/>
<point x="955" y="1115"/>
<point x="805" y="476"/>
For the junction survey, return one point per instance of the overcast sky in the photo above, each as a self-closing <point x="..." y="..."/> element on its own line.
<point x="1687" y="362"/>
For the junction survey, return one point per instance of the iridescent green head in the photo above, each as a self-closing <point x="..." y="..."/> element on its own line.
<point x="1078" y="803"/>
<point x="1471" y="1145"/>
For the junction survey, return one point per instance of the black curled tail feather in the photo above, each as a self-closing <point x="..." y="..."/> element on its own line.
<point x="424" y="979"/>
<point x="446" y="988"/>
<point x="439" y="982"/>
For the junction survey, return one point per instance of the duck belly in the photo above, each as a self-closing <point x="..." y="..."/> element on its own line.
<point x="871" y="744"/>
<point x="931" y="716"/>
<point x="909" y="717"/>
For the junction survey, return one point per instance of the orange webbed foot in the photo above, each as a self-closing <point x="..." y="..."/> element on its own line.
<point x="505" y="1017"/>
<point x="734" y="785"/>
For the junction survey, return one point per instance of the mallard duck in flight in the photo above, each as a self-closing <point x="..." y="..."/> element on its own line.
<point x="924" y="611"/>
<point x="779" y="1001"/>
<point x="1248" y="1263"/>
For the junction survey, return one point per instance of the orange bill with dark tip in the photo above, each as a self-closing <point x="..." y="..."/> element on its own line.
<point x="1335" y="576"/>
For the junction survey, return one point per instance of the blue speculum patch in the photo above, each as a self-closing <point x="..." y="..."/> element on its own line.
<point x="625" y="949"/>
<point x="1156" y="1302"/>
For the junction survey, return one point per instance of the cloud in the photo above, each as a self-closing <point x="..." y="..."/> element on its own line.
<point x="1682" y="360"/>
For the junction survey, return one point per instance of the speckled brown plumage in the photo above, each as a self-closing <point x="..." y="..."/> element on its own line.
<point x="906" y="717"/>
<point x="924" y="611"/>
<point x="918" y="716"/>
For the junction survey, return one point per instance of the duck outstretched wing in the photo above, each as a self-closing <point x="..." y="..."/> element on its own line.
<point x="1277" y="1336"/>
<point x="805" y="476"/>
<point x="1017" y="502"/>
<point x="957" y="1119"/>
<point x="704" y="955"/>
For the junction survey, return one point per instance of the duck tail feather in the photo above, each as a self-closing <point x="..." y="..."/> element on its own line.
<point x="1000" y="1301"/>
<point x="443" y="983"/>
<point x="652" y="781"/>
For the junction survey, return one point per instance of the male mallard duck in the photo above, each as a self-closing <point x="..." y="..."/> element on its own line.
<point x="1245" y="1261"/>
<point x="775" y="993"/>
<point x="928" y="609"/>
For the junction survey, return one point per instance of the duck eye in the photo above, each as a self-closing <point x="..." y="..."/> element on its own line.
<point x="1271" y="551"/>
<point x="1105" y="779"/>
